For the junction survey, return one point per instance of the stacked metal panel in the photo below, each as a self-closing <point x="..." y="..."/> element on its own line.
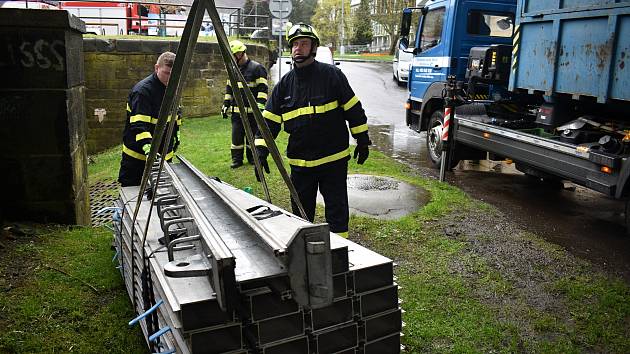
<point x="264" y="316"/>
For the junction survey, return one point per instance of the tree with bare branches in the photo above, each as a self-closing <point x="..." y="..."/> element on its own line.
<point x="388" y="13"/>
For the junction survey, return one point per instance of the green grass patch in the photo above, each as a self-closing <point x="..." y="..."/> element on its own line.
<point x="600" y="309"/>
<point x="66" y="297"/>
<point x="366" y="56"/>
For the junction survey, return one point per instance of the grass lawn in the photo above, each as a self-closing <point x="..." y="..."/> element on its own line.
<point x="367" y="57"/>
<point x="61" y="292"/>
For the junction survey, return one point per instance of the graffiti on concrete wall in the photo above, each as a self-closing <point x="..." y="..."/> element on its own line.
<point x="40" y="53"/>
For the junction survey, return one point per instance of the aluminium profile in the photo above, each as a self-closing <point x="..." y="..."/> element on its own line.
<point x="386" y="345"/>
<point x="336" y="339"/>
<point x="381" y="325"/>
<point x="298" y="345"/>
<point x="275" y="329"/>
<point x="378" y="301"/>
<point x="303" y="248"/>
<point x="215" y="251"/>
<point x="339" y="312"/>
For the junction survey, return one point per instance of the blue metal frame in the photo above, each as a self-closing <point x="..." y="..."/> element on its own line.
<point x="450" y="56"/>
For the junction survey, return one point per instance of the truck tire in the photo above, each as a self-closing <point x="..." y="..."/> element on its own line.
<point x="627" y="217"/>
<point x="434" y="141"/>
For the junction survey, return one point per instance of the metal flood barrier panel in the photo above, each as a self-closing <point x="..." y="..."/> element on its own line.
<point x="213" y="269"/>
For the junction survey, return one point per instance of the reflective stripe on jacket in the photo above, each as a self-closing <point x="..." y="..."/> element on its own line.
<point x="256" y="77"/>
<point x="143" y="108"/>
<point x="313" y="104"/>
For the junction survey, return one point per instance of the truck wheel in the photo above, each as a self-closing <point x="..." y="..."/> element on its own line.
<point x="627" y="217"/>
<point x="434" y="141"/>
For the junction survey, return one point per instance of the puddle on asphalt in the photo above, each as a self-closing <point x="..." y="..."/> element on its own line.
<point x="407" y="146"/>
<point x="383" y="197"/>
<point x="488" y="166"/>
<point x="399" y="143"/>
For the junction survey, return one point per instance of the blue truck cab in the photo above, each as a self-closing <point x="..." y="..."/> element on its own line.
<point x="445" y="33"/>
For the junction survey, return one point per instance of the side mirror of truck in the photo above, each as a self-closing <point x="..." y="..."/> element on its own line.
<point x="403" y="44"/>
<point x="405" y="23"/>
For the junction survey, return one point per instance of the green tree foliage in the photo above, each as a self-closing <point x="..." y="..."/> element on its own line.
<point x="327" y="21"/>
<point x="303" y="11"/>
<point x="388" y="14"/>
<point x="362" y="31"/>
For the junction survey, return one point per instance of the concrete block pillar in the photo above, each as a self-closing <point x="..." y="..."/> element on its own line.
<point x="43" y="159"/>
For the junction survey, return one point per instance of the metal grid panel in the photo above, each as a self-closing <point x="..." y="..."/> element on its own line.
<point x="102" y="195"/>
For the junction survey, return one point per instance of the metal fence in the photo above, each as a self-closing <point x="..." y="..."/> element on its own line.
<point x="149" y="18"/>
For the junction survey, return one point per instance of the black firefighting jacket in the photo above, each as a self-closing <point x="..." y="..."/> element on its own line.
<point x="143" y="108"/>
<point x="256" y="77"/>
<point x="314" y="103"/>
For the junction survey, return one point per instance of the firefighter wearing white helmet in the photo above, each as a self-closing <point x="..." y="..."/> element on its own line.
<point x="255" y="75"/>
<point x="315" y="105"/>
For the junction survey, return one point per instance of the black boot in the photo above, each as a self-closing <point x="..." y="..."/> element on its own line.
<point x="237" y="158"/>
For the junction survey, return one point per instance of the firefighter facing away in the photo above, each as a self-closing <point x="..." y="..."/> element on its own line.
<point x="143" y="107"/>
<point x="256" y="77"/>
<point x="313" y="102"/>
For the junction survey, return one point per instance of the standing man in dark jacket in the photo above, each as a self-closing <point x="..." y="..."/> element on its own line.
<point x="256" y="77"/>
<point x="314" y="101"/>
<point x="143" y="108"/>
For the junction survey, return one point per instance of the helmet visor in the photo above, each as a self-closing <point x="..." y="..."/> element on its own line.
<point x="299" y="29"/>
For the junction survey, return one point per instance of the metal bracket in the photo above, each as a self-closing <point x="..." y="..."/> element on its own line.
<point x="193" y="266"/>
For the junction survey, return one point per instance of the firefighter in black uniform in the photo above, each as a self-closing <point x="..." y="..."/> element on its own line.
<point x="314" y="101"/>
<point x="143" y="107"/>
<point x="256" y="77"/>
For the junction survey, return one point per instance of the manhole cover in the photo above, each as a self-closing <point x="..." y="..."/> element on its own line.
<point x="383" y="197"/>
<point x="103" y="194"/>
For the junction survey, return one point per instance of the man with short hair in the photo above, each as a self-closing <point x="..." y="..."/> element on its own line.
<point x="314" y="102"/>
<point x="256" y="77"/>
<point x="143" y="108"/>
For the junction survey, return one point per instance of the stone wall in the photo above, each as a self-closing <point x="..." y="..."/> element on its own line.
<point x="42" y="117"/>
<point x="113" y="67"/>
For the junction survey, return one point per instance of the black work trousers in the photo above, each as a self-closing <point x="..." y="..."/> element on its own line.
<point x="239" y="137"/>
<point x="333" y="187"/>
<point x="131" y="169"/>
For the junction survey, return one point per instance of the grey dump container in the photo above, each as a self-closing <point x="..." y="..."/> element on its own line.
<point x="578" y="48"/>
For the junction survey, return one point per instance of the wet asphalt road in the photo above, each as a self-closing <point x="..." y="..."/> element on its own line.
<point x="586" y="223"/>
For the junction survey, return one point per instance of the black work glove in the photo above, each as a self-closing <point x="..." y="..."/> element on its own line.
<point x="361" y="153"/>
<point x="262" y="155"/>
<point x="224" y="111"/>
<point x="264" y="165"/>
